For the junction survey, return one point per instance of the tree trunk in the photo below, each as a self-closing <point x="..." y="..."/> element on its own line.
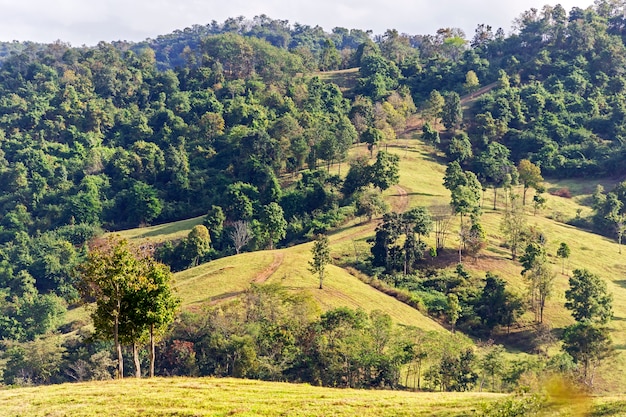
<point x="524" y="196"/>
<point x="152" y="351"/>
<point x="136" y="360"/>
<point x="495" y="197"/>
<point x="118" y="348"/>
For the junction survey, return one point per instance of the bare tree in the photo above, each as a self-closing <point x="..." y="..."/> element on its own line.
<point x="442" y="218"/>
<point x="240" y="234"/>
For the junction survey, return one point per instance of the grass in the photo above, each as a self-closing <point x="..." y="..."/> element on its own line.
<point x="162" y="232"/>
<point x="169" y="397"/>
<point x="225" y="397"/>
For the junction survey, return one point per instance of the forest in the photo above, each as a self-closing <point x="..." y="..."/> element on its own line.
<point x="241" y="123"/>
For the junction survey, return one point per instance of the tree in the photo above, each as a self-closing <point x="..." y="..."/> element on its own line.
<point x="321" y="257"/>
<point x="471" y="82"/>
<point x="240" y="234"/>
<point x="430" y="135"/>
<point x="589" y="345"/>
<point x="273" y="223"/>
<point x="514" y="227"/>
<point x="453" y="310"/>
<point x="493" y="165"/>
<point x="109" y="274"/>
<point x="372" y="137"/>
<point x="385" y="171"/>
<point x="541" y="279"/>
<point x="451" y="112"/>
<point x="370" y="203"/>
<point x="157" y="303"/>
<point x="529" y="176"/>
<point x="434" y="106"/>
<point x="588" y="298"/>
<point x="197" y="245"/>
<point x="563" y="252"/>
<point x="442" y="218"/>
<point x="491" y="306"/>
<point x="460" y="148"/>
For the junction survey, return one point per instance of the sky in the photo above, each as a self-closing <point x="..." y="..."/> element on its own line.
<point x="86" y="22"/>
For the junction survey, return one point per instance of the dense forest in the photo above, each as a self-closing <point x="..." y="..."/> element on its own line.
<point x="236" y="121"/>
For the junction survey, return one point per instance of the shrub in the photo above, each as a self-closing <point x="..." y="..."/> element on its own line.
<point x="562" y="192"/>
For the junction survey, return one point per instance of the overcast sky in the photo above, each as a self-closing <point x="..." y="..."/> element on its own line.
<point x="88" y="22"/>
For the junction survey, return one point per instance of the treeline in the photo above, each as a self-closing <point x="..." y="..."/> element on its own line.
<point x="274" y="335"/>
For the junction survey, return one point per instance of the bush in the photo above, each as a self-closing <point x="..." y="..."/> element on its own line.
<point x="562" y="192"/>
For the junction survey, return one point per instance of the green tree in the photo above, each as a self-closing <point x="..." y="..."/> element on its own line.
<point x="321" y="257"/>
<point x="529" y="176"/>
<point x="471" y="82"/>
<point x="453" y="310"/>
<point x="588" y="298"/>
<point x="385" y="171"/>
<point x="156" y="303"/>
<point x="372" y="137"/>
<point x="109" y="274"/>
<point x="514" y="227"/>
<point x="451" y="112"/>
<point x="197" y="245"/>
<point x="434" y="106"/>
<point x="589" y="345"/>
<point x="563" y="252"/>
<point x="273" y="223"/>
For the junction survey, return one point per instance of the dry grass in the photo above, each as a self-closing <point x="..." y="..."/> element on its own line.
<point x="224" y="397"/>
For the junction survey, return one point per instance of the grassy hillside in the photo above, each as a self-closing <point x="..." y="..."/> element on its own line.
<point x="421" y="173"/>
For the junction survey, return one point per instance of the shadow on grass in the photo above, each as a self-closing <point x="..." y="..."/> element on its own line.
<point x="621" y="283"/>
<point x="425" y="194"/>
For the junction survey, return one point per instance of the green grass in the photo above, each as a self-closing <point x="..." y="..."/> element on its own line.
<point x="345" y="79"/>
<point x="162" y="232"/>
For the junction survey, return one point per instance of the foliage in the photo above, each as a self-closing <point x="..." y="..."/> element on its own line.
<point x="588" y="297"/>
<point x="131" y="294"/>
<point x="321" y="257"/>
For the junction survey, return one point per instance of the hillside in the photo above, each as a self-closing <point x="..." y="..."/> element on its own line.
<point x="281" y="143"/>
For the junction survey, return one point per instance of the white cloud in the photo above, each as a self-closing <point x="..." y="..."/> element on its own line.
<point x="87" y="22"/>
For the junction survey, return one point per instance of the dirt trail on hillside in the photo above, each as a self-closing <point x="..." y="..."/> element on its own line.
<point x="402" y="202"/>
<point x="258" y="279"/>
<point x="269" y="271"/>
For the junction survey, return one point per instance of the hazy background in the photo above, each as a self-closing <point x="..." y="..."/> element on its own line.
<point x="88" y="22"/>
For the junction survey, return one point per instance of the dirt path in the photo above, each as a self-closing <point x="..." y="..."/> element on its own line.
<point x="402" y="202"/>
<point x="269" y="271"/>
<point x="259" y="279"/>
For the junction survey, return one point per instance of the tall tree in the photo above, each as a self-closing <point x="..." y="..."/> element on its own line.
<point x="529" y="176"/>
<point x="273" y="223"/>
<point x="157" y="303"/>
<point x="110" y="273"/>
<point x="451" y="112"/>
<point x="321" y="257"/>
<point x="589" y="344"/>
<point x="563" y="252"/>
<point x="514" y="227"/>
